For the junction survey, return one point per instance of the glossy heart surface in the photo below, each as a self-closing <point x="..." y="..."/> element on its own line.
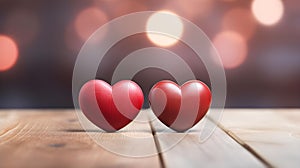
<point x="110" y="107"/>
<point x="180" y="107"/>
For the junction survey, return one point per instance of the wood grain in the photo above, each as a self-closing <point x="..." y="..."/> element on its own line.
<point x="274" y="134"/>
<point x="54" y="138"/>
<point x="35" y="139"/>
<point x="218" y="151"/>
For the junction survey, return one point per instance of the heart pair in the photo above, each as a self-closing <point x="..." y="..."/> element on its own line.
<point x="113" y="107"/>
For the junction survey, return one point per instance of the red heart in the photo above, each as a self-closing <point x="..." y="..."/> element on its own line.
<point x="180" y="108"/>
<point x="110" y="108"/>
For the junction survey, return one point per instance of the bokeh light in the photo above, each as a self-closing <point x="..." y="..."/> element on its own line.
<point x="268" y="12"/>
<point x="193" y="9"/>
<point x="240" y="20"/>
<point x="23" y="25"/>
<point x="117" y="9"/>
<point x="232" y="48"/>
<point x="258" y="41"/>
<point x="88" y="21"/>
<point x="167" y="24"/>
<point x="8" y="52"/>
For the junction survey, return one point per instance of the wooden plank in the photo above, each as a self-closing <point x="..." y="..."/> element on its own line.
<point x="218" y="151"/>
<point x="274" y="134"/>
<point x="44" y="138"/>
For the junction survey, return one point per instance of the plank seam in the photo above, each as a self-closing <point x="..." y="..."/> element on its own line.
<point x="246" y="146"/>
<point x="158" y="148"/>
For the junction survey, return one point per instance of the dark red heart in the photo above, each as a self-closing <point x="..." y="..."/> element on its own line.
<point x="180" y="108"/>
<point x="110" y="108"/>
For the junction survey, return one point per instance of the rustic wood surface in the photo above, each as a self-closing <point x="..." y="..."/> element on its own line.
<point x="218" y="151"/>
<point x="54" y="138"/>
<point x="273" y="134"/>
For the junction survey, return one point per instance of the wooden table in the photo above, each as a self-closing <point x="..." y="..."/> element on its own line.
<point x="245" y="138"/>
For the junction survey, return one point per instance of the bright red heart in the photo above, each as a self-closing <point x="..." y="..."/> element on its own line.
<point x="180" y="108"/>
<point x="110" y="108"/>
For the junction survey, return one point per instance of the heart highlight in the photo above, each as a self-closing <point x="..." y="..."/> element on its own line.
<point x="180" y="107"/>
<point x="110" y="108"/>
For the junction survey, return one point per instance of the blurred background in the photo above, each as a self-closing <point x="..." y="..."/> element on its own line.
<point x="258" y="41"/>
